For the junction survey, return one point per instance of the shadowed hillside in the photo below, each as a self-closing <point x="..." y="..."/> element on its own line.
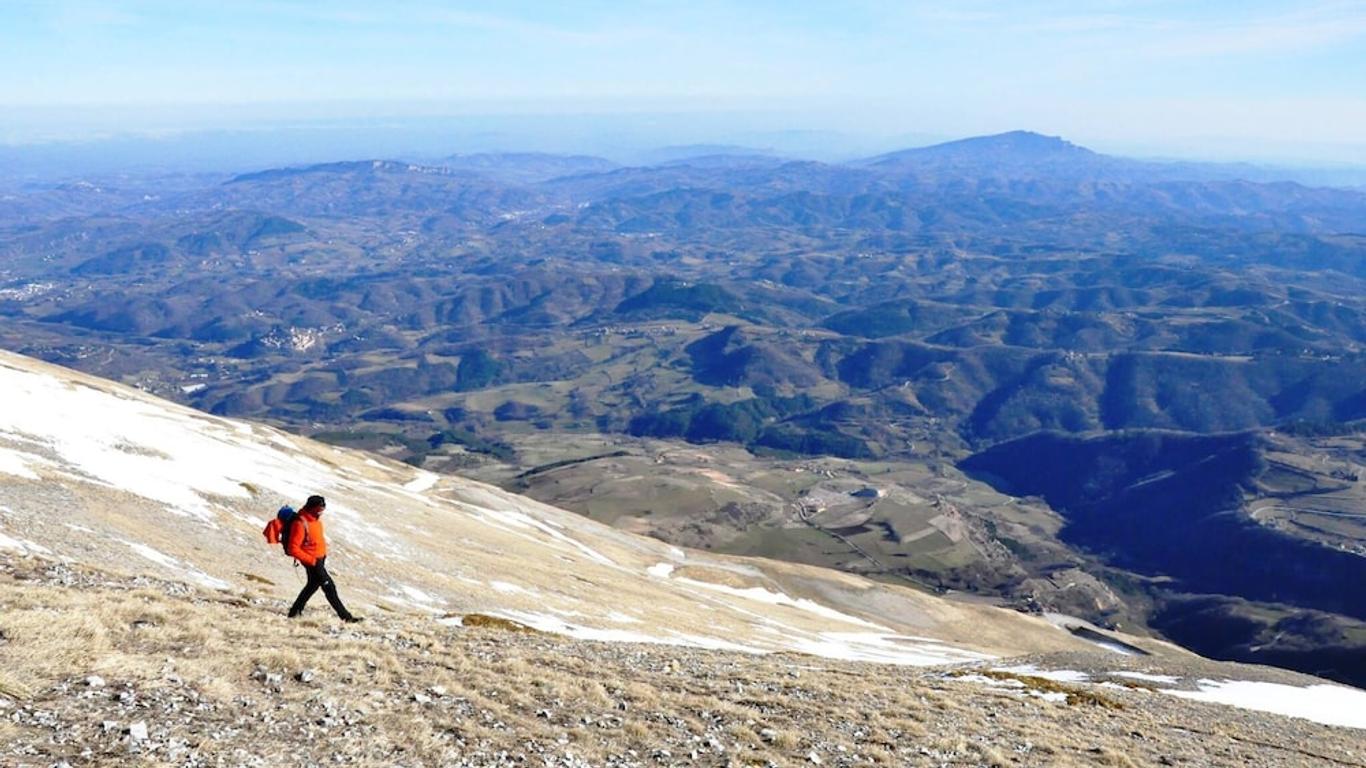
<point x="1178" y="506"/>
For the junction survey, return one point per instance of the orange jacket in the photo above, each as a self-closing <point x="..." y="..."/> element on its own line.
<point x="306" y="542"/>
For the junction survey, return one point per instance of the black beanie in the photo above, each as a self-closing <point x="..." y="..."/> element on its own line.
<point x="314" y="502"/>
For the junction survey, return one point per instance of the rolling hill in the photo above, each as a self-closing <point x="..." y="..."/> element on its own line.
<point x="817" y="328"/>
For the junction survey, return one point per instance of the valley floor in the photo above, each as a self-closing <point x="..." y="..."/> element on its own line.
<point x="97" y="669"/>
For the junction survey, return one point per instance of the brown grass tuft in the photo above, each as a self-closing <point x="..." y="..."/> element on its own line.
<point x="11" y="689"/>
<point x="1075" y="695"/>
<point x="637" y="731"/>
<point x="641" y="694"/>
<point x="1135" y="685"/>
<point x="1107" y="756"/>
<point x="484" y="621"/>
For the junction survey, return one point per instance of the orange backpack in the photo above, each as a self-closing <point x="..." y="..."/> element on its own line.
<point x="277" y="530"/>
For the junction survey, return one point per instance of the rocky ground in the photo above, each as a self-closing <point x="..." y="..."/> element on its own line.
<point x="104" y="670"/>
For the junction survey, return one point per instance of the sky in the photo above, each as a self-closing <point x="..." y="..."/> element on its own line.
<point x="1228" y="79"/>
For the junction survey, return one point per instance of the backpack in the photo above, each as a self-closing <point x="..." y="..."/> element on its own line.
<point x="278" y="529"/>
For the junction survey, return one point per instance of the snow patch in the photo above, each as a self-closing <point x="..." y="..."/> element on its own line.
<point x="1151" y="678"/>
<point x="991" y="681"/>
<point x="712" y="643"/>
<point x="555" y="625"/>
<point x="14" y="463"/>
<point x="660" y="570"/>
<point x="1015" y="686"/>
<point x="170" y="563"/>
<point x="858" y="647"/>
<point x="759" y="594"/>
<point x="516" y="519"/>
<point x="424" y="481"/>
<point x="417" y="594"/>
<point x="27" y="547"/>
<point x="412" y="597"/>
<point x="882" y="648"/>
<point x="174" y="456"/>
<point x="508" y="588"/>
<point x="151" y="554"/>
<point x="1056" y="675"/>
<point x="1113" y="646"/>
<point x="1327" y="704"/>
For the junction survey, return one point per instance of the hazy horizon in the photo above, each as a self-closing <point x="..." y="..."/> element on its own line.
<point x="1268" y="81"/>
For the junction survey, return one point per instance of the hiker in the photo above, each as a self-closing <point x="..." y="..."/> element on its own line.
<point x="306" y="544"/>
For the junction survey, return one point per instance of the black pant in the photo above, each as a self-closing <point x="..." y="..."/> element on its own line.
<point x="317" y="577"/>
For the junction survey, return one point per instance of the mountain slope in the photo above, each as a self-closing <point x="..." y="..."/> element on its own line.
<point x="101" y="670"/>
<point x="117" y="479"/>
<point x="140" y="620"/>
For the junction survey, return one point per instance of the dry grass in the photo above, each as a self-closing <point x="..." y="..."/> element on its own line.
<point x="12" y="689"/>
<point x="482" y="621"/>
<point x="416" y="692"/>
<point x="1075" y="695"/>
<point x="787" y="740"/>
<point x="46" y="641"/>
<point x="1135" y="685"/>
<point x="1107" y="756"/>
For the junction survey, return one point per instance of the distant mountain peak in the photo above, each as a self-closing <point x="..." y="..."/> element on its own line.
<point x="1024" y="142"/>
<point x="1019" y="147"/>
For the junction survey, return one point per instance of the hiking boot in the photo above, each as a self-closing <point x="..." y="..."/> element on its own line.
<point x="352" y="619"/>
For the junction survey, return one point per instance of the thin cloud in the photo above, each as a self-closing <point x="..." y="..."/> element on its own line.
<point x="489" y="22"/>
<point x="1108" y="22"/>
<point x="1150" y="29"/>
<point x="67" y="16"/>
<point x="533" y="30"/>
<point x="1289" y="33"/>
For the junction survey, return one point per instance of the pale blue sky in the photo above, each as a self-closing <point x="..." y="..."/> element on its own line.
<point x="1162" y="76"/>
